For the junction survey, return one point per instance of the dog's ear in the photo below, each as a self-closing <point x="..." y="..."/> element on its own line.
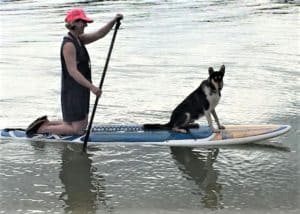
<point x="210" y="71"/>
<point x="222" y="69"/>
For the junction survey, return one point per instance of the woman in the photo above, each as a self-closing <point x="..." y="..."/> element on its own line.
<point x="76" y="77"/>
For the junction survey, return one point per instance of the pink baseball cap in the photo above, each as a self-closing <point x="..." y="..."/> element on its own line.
<point x="75" y="14"/>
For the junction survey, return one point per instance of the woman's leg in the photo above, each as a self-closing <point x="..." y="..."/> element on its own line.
<point x="64" y="128"/>
<point x="55" y="122"/>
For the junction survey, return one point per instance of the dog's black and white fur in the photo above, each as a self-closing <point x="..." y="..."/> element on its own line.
<point x="200" y="102"/>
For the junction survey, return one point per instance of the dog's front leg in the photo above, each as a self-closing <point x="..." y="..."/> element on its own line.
<point x="217" y="119"/>
<point x="210" y="124"/>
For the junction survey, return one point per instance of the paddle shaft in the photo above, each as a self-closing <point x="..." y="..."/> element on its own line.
<point x="100" y="85"/>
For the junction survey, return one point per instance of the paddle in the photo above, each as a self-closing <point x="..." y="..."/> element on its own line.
<point x="100" y="86"/>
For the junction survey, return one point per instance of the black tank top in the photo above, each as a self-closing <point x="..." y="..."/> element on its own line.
<point x="82" y="58"/>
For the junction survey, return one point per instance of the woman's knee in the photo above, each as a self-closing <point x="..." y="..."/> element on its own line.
<point x="78" y="131"/>
<point x="79" y="127"/>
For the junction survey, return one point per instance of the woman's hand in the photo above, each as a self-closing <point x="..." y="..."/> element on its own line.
<point x="96" y="91"/>
<point x="118" y="16"/>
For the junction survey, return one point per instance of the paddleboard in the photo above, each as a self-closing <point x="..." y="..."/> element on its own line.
<point x="136" y="135"/>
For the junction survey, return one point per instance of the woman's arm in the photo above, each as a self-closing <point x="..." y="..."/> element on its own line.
<point x="87" y="38"/>
<point x="69" y="53"/>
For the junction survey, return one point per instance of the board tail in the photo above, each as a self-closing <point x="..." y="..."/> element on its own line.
<point x="13" y="129"/>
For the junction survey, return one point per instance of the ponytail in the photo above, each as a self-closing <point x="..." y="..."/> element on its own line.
<point x="70" y="26"/>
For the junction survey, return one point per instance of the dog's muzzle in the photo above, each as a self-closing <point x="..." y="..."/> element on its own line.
<point x="220" y="86"/>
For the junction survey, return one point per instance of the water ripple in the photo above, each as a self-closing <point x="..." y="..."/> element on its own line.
<point x="162" y="53"/>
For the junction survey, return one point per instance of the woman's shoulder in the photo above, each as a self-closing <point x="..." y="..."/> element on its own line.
<point x="67" y="39"/>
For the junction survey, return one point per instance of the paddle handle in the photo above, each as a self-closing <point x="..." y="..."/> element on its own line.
<point x="118" y="23"/>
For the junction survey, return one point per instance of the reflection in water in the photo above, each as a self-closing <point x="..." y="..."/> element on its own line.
<point x="198" y="166"/>
<point x="84" y="190"/>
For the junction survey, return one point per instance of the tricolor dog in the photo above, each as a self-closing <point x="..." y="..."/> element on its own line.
<point x="200" y="102"/>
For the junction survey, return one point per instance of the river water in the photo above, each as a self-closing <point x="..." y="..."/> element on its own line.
<point x="161" y="54"/>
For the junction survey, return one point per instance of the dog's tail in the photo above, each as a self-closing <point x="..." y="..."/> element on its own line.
<point x="167" y="126"/>
<point x="156" y="126"/>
